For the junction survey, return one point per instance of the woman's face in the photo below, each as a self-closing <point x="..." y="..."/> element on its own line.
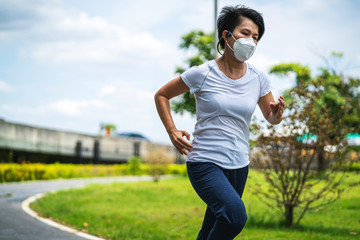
<point x="247" y="29"/>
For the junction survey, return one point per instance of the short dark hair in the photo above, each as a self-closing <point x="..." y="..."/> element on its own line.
<point x="232" y="16"/>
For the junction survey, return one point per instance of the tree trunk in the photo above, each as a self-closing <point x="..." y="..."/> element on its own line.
<point x="289" y="215"/>
<point x="108" y="131"/>
<point x="321" y="159"/>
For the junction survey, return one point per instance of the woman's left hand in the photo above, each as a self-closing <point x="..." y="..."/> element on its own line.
<point x="277" y="109"/>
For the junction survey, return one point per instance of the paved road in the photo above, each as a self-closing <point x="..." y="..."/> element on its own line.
<point x="15" y="224"/>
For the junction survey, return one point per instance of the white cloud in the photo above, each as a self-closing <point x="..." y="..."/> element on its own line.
<point x="144" y="13"/>
<point x="81" y="22"/>
<point x="200" y="18"/>
<point x="5" y="107"/>
<point x="4" y="87"/>
<point x="74" y="107"/>
<point x="124" y="104"/>
<point x="310" y="6"/>
<point x="262" y="62"/>
<point x="81" y="38"/>
<point x="107" y="90"/>
<point x="57" y="34"/>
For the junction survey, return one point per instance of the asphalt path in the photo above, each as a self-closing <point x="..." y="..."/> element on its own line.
<point x="15" y="224"/>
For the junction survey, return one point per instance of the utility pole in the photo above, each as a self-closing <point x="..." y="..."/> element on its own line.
<point x="215" y="28"/>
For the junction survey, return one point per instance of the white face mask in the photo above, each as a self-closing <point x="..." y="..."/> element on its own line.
<point x="244" y="48"/>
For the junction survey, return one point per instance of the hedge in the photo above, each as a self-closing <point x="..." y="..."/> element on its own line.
<point x="12" y="172"/>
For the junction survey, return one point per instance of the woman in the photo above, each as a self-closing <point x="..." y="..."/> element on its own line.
<point x="226" y="91"/>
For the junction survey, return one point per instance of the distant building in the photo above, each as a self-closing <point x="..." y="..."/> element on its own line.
<point x="20" y="142"/>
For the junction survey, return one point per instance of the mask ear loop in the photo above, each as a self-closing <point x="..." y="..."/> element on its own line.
<point x="228" y="34"/>
<point x="217" y="46"/>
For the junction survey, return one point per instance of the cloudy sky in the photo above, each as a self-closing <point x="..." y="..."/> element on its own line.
<point x="71" y="65"/>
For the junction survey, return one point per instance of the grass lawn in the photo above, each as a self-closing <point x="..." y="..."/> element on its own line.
<point x="171" y="210"/>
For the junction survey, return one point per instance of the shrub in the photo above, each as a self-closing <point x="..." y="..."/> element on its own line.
<point x="352" y="167"/>
<point x="133" y="167"/>
<point x="158" y="163"/>
<point x="13" y="172"/>
<point x="177" y="169"/>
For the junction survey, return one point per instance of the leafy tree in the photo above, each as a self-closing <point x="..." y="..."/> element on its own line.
<point x="287" y="163"/>
<point x="335" y="92"/>
<point x="108" y="128"/>
<point x="323" y="107"/>
<point x="202" y="43"/>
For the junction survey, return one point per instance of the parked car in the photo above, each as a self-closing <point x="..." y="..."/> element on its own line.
<point x="131" y="135"/>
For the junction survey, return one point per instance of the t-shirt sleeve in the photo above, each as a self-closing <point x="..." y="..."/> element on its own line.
<point x="265" y="85"/>
<point x="193" y="78"/>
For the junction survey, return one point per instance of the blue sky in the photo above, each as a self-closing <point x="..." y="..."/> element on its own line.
<point x="71" y="65"/>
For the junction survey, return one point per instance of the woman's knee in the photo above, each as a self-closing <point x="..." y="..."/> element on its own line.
<point x="235" y="216"/>
<point x="228" y="228"/>
<point x="240" y="222"/>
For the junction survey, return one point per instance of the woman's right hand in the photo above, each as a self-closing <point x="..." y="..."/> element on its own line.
<point x="177" y="139"/>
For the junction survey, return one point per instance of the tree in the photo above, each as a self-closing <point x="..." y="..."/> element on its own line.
<point x="286" y="161"/>
<point x="320" y="107"/>
<point x="202" y="43"/>
<point x="335" y="92"/>
<point x="108" y="128"/>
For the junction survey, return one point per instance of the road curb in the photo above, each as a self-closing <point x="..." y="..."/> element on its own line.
<point x="25" y="205"/>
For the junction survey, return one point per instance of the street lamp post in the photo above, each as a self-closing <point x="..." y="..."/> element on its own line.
<point x="215" y="28"/>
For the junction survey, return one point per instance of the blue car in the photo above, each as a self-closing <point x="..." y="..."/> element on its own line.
<point x="131" y="135"/>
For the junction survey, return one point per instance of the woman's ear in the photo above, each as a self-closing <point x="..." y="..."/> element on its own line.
<point x="225" y="34"/>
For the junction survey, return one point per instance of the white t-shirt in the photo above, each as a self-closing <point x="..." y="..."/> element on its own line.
<point x="223" y="111"/>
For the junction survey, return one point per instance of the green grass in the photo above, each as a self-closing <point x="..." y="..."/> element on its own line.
<point x="171" y="210"/>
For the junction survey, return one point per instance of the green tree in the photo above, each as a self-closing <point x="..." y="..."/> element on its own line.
<point x="108" y="128"/>
<point x="335" y="92"/>
<point x="325" y="106"/>
<point x="202" y="43"/>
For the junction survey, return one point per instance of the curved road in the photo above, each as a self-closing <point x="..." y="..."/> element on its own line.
<point x="15" y="224"/>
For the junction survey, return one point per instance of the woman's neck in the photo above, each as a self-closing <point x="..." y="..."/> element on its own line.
<point x="231" y="67"/>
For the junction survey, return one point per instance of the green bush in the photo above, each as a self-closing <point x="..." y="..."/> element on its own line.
<point x="133" y="167"/>
<point x="352" y="167"/>
<point x="12" y="172"/>
<point x="177" y="169"/>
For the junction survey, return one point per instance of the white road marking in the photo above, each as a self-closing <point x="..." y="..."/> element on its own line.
<point x="26" y="207"/>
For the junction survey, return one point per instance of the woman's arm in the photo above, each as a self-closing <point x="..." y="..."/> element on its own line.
<point x="272" y="111"/>
<point x="172" y="89"/>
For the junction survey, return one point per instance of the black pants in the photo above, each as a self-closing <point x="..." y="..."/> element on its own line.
<point x="221" y="189"/>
